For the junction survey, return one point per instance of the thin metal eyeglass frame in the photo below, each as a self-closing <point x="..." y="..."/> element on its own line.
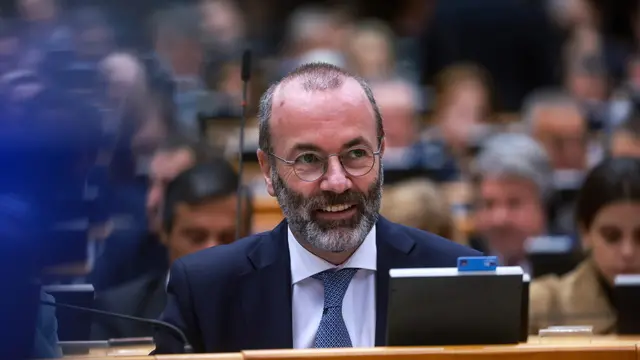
<point x="326" y="163"/>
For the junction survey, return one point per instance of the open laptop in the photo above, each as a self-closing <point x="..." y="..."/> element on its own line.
<point x="627" y="298"/>
<point x="446" y="306"/>
<point x="73" y="325"/>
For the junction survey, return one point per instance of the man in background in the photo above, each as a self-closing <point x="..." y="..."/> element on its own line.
<point x="129" y="253"/>
<point x="200" y="209"/>
<point x="398" y="102"/>
<point x="555" y="120"/>
<point x="514" y="183"/>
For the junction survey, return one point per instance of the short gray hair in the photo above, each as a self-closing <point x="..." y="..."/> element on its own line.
<point x="544" y="98"/>
<point x="516" y="155"/>
<point x="316" y="77"/>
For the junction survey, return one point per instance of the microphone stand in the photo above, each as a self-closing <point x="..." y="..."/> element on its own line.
<point x="187" y="347"/>
<point x="245" y="75"/>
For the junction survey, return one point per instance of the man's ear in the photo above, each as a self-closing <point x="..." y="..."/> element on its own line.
<point x="383" y="146"/>
<point x="265" y="168"/>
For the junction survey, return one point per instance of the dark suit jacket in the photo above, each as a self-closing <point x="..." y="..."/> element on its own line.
<point x="127" y="255"/>
<point x="238" y="297"/>
<point x="143" y="297"/>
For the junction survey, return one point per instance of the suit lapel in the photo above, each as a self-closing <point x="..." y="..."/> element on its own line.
<point x="393" y="251"/>
<point x="155" y="300"/>
<point x="266" y="293"/>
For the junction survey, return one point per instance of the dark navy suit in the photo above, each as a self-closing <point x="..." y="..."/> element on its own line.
<point x="238" y="297"/>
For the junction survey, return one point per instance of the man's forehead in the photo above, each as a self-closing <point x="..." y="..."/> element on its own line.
<point x="555" y="117"/>
<point x="295" y="92"/>
<point x="216" y="207"/>
<point x="294" y="106"/>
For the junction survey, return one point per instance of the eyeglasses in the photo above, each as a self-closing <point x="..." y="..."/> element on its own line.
<point x="311" y="166"/>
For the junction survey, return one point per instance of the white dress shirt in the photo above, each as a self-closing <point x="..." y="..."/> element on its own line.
<point x="358" y="306"/>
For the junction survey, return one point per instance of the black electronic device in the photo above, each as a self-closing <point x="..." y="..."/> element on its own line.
<point x="446" y="306"/>
<point x="627" y="299"/>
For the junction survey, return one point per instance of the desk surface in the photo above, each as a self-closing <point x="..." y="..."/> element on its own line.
<point x="594" y="348"/>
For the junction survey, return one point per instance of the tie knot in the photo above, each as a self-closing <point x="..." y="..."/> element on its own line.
<point x="335" y="285"/>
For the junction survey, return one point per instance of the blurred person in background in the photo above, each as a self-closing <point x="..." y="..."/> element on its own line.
<point x="315" y="34"/>
<point x="178" y="42"/>
<point x="587" y="81"/>
<point x="556" y="121"/>
<point x="45" y="30"/>
<point x="513" y="175"/>
<point x="607" y="216"/>
<point x="370" y="52"/>
<point x="93" y="36"/>
<point x="134" y="125"/>
<point x="463" y="105"/>
<point x="571" y="14"/>
<point x="134" y="121"/>
<point x="224" y="39"/>
<point x="199" y="212"/>
<point x="132" y="252"/>
<point x="223" y="27"/>
<point x="625" y="141"/>
<point x="398" y="101"/>
<point x="420" y="204"/>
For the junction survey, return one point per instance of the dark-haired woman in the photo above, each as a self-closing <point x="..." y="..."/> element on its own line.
<point x="608" y="216"/>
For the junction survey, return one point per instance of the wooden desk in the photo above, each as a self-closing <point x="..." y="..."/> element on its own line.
<point x="595" y="348"/>
<point x="517" y="352"/>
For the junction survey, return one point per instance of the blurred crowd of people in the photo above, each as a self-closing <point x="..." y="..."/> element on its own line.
<point x="511" y="103"/>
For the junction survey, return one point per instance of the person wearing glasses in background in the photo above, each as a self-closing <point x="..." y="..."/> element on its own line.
<point x="319" y="279"/>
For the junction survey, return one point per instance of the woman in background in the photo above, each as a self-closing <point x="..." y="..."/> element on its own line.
<point x="608" y="218"/>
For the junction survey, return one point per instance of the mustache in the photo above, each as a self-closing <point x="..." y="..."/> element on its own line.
<point x="328" y="198"/>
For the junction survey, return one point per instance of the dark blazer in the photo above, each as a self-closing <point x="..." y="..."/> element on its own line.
<point x="127" y="254"/>
<point x="238" y="297"/>
<point x="143" y="297"/>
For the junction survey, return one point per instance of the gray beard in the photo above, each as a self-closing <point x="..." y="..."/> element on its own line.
<point x="331" y="236"/>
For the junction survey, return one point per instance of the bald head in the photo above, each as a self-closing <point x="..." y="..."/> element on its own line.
<point x="310" y="81"/>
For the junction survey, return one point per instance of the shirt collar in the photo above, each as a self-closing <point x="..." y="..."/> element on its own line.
<point x="305" y="264"/>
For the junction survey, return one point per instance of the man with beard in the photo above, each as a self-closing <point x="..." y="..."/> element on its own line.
<point x="319" y="278"/>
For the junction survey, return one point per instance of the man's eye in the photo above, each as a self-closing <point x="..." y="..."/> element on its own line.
<point x="357" y="153"/>
<point x="307" y="159"/>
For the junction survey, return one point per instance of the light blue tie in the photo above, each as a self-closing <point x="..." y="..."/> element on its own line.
<point x="332" y="332"/>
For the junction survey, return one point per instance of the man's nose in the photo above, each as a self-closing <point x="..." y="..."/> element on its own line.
<point x="336" y="178"/>
<point x="500" y="216"/>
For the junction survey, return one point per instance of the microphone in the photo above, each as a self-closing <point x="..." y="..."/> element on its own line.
<point x="245" y="76"/>
<point x="187" y="347"/>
